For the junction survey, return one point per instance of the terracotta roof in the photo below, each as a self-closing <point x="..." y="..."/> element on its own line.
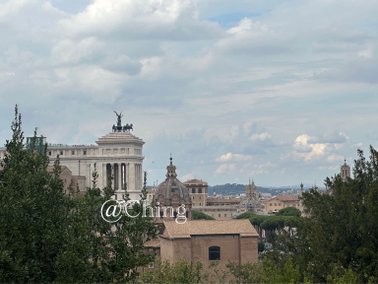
<point x="208" y="227"/>
<point x="283" y="198"/>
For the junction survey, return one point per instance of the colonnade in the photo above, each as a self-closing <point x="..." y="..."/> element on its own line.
<point x="122" y="176"/>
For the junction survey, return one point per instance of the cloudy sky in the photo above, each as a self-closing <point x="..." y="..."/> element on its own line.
<point x="278" y="91"/>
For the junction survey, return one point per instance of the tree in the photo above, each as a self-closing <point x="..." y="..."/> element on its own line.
<point x="99" y="251"/>
<point x="33" y="216"/>
<point x="180" y="272"/>
<point x="342" y="227"/>
<point x="289" y="211"/>
<point x="197" y="215"/>
<point x="47" y="236"/>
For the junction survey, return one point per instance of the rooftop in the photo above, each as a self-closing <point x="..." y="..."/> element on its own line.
<point x="285" y="197"/>
<point x="208" y="227"/>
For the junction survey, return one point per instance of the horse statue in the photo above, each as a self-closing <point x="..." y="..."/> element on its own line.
<point x="128" y="127"/>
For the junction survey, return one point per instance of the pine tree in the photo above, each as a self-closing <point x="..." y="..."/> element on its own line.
<point x="33" y="215"/>
<point x="342" y="227"/>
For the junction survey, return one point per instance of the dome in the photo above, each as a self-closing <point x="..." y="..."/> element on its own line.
<point x="172" y="192"/>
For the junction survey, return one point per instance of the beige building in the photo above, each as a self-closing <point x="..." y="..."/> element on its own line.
<point x="117" y="157"/>
<point x="198" y="191"/>
<point x="279" y="202"/>
<point x="207" y="241"/>
<point x="220" y="208"/>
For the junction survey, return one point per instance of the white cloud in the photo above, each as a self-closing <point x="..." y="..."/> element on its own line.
<point x="228" y="157"/>
<point x="310" y="148"/>
<point x="264" y="136"/>
<point x="219" y="81"/>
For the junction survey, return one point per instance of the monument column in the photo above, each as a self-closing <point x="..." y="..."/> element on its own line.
<point x="102" y="177"/>
<point x="132" y="177"/>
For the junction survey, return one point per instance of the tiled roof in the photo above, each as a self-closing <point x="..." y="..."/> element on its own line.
<point x="283" y="198"/>
<point x="208" y="227"/>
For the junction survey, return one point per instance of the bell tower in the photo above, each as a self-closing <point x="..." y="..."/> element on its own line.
<point x="345" y="171"/>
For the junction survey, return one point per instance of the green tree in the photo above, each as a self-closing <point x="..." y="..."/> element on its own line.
<point x="289" y="211"/>
<point x="86" y="249"/>
<point x="197" y="215"/>
<point x="33" y="214"/>
<point x="180" y="272"/>
<point x="99" y="251"/>
<point x="47" y="236"/>
<point x="342" y="226"/>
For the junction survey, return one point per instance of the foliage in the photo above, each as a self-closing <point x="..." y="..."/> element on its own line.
<point x="266" y="271"/>
<point x="181" y="272"/>
<point x="289" y="211"/>
<point x="272" y="225"/>
<point x="197" y="215"/>
<point x="47" y="236"/>
<point x="344" y="223"/>
<point x="33" y="214"/>
<point x="246" y="273"/>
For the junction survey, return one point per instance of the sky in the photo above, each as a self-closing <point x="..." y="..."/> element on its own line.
<point x="280" y="92"/>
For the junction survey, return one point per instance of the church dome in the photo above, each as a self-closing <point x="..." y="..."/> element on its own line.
<point x="172" y="192"/>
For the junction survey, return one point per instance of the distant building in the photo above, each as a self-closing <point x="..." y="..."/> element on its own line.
<point x="252" y="200"/>
<point x="220" y="208"/>
<point x="172" y="194"/>
<point x="198" y="191"/>
<point x="71" y="183"/>
<point x="345" y="171"/>
<point x="151" y="190"/>
<point x="279" y="202"/>
<point x="207" y="241"/>
<point x="117" y="157"/>
<point x="199" y="240"/>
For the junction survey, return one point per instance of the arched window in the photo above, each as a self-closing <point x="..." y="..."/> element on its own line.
<point x="214" y="253"/>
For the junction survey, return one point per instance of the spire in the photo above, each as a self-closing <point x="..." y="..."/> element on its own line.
<point x="171" y="169"/>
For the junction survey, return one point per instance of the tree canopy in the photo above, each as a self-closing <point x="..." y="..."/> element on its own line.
<point x="47" y="236"/>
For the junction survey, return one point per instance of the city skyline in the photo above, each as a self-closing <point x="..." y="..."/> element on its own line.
<point x="276" y="91"/>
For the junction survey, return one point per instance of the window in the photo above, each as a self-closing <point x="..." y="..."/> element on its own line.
<point x="84" y="152"/>
<point x="61" y="152"/>
<point x="72" y="152"/>
<point x="214" y="253"/>
<point x="49" y="153"/>
<point x="200" y="190"/>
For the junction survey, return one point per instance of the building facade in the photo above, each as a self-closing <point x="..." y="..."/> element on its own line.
<point x="208" y="241"/>
<point x="276" y="203"/>
<point x="198" y="191"/>
<point x="117" y="157"/>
